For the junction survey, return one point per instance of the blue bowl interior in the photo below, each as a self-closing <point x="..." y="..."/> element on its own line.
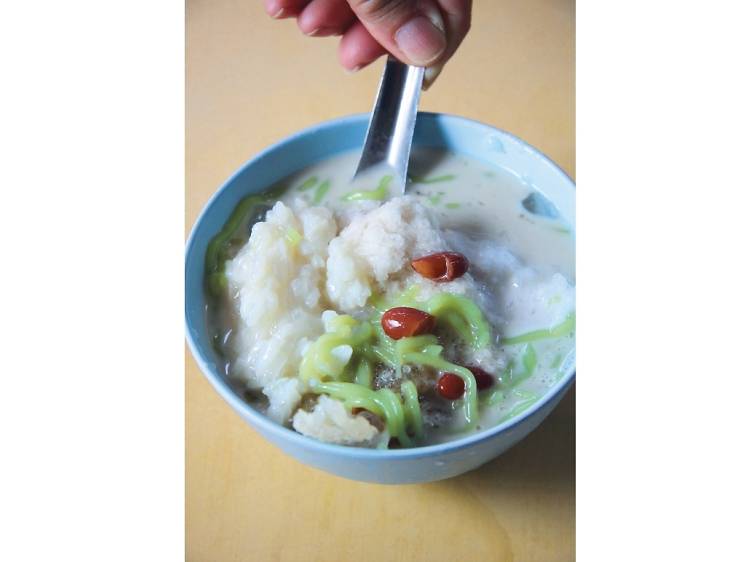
<point x="479" y="141"/>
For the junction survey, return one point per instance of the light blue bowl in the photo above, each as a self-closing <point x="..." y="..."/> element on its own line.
<point x="400" y="466"/>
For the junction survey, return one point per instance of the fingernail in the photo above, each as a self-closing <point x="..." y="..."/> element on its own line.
<point x="279" y="14"/>
<point x="434" y="16"/>
<point x="353" y="70"/>
<point x="430" y="75"/>
<point x="420" y="40"/>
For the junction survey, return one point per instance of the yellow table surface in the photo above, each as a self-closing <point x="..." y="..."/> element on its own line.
<point x="252" y="81"/>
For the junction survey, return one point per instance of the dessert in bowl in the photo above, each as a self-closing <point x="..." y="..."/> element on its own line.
<point x="384" y="337"/>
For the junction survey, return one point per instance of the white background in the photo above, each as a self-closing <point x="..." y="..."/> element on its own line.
<point x="91" y="223"/>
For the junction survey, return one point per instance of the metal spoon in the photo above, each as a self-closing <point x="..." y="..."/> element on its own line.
<point x="389" y="134"/>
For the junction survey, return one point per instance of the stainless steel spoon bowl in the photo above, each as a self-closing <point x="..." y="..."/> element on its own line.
<point x="388" y="140"/>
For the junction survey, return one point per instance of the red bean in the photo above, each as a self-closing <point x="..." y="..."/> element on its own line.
<point x="403" y="322"/>
<point x="450" y="386"/>
<point x="441" y="267"/>
<point x="483" y="378"/>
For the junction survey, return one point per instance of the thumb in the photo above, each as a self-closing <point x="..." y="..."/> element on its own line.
<point x="411" y="30"/>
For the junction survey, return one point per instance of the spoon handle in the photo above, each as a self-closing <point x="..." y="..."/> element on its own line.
<point x="391" y="128"/>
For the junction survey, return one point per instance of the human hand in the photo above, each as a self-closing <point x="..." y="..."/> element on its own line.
<point x="419" y="32"/>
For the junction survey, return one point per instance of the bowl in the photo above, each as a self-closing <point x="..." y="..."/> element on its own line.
<point x="399" y="466"/>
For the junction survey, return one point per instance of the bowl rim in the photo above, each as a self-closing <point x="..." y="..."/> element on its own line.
<point x="268" y="426"/>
